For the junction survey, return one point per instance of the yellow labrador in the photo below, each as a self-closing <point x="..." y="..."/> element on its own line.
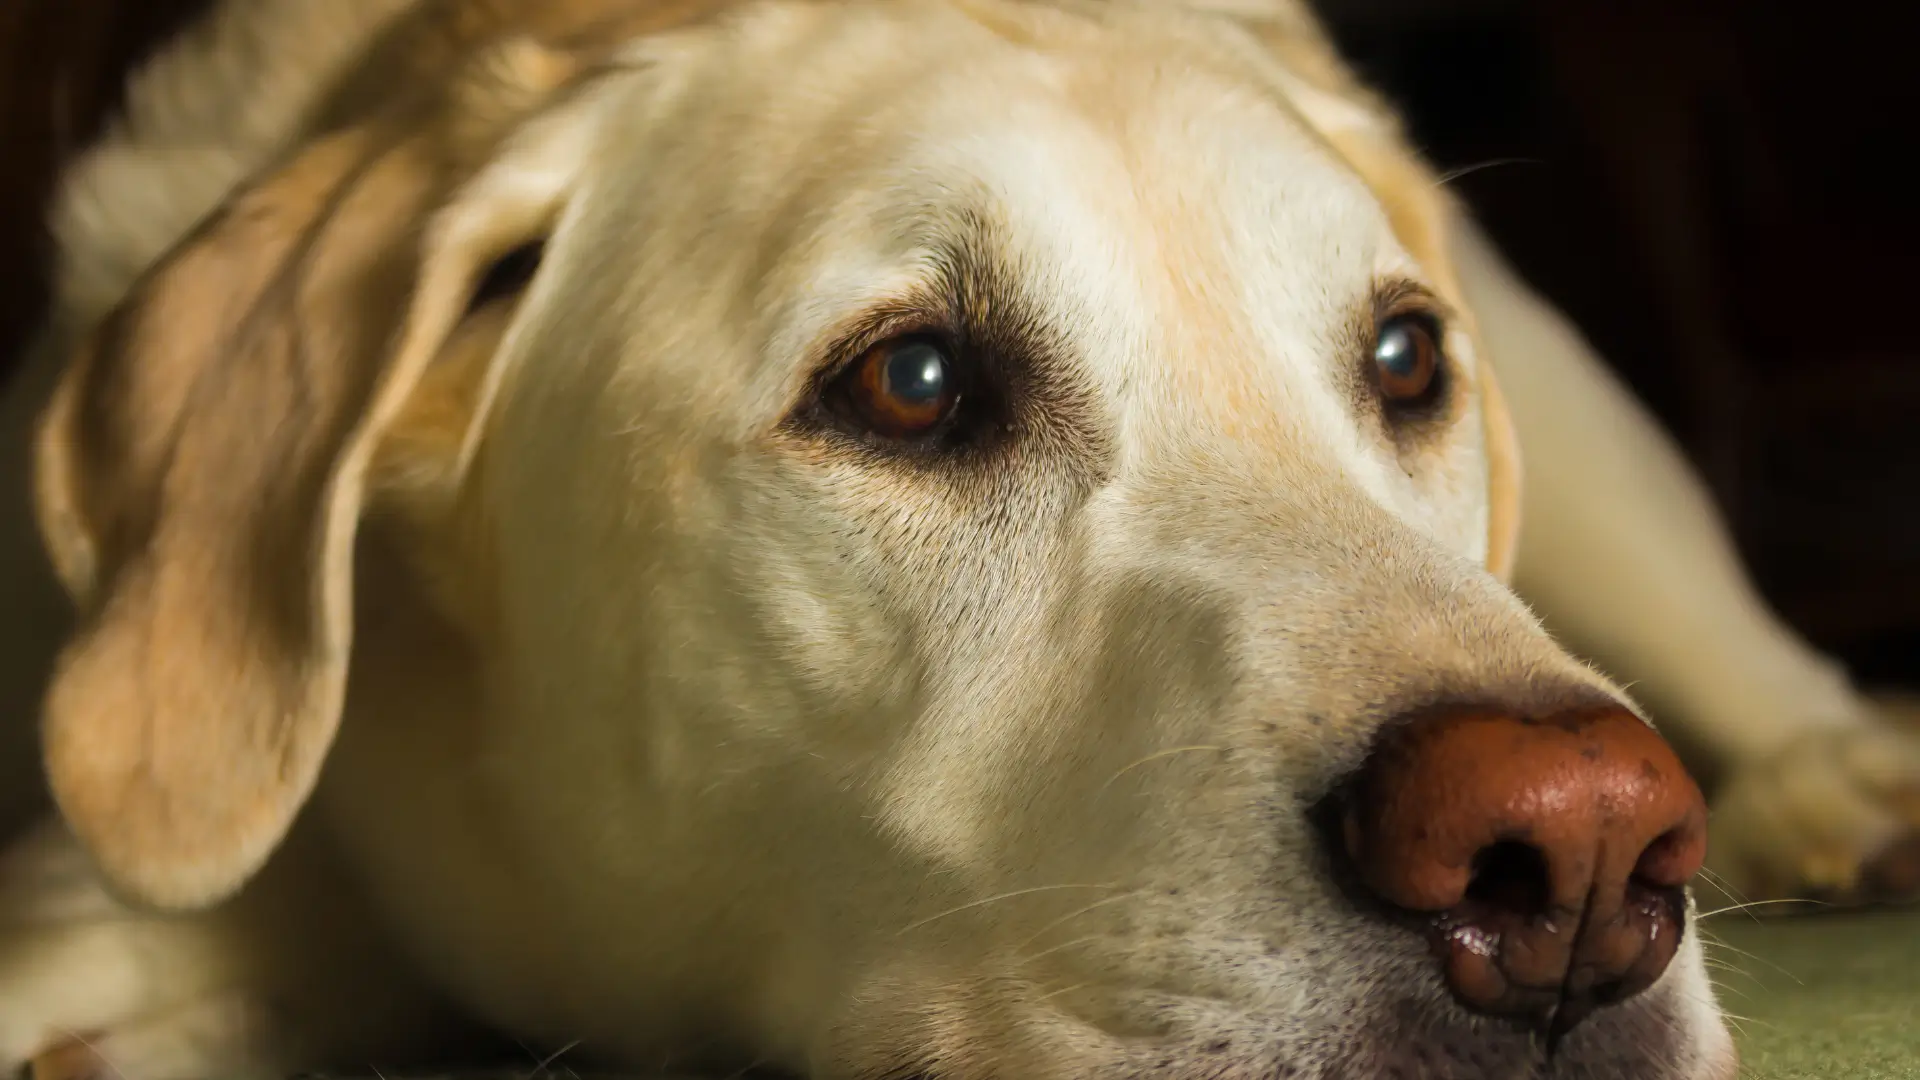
<point x="880" y="538"/>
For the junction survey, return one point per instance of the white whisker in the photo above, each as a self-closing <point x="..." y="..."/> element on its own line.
<point x="1451" y="175"/>
<point x="1096" y="905"/>
<point x="1059" y="948"/>
<point x="994" y="900"/>
<point x="1751" y="904"/>
<point x="1157" y="755"/>
<point x="1063" y="990"/>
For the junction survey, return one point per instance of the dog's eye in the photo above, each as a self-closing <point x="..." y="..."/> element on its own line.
<point x="901" y="388"/>
<point x="1406" y="356"/>
<point x="508" y="275"/>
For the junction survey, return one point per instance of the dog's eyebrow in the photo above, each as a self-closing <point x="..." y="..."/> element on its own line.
<point x="1403" y="296"/>
<point x="992" y="307"/>
<point x="1025" y="357"/>
<point x="964" y="290"/>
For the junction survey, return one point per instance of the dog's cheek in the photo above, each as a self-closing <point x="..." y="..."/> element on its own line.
<point x="807" y="619"/>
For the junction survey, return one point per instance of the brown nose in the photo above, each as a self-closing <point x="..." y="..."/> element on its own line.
<point x="1551" y="851"/>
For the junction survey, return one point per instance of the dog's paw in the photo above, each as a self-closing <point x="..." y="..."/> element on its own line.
<point x="90" y="988"/>
<point x="292" y="974"/>
<point x="215" y="1039"/>
<point x="1833" y="818"/>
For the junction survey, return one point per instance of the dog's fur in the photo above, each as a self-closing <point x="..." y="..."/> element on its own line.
<point x="686" y="729"/>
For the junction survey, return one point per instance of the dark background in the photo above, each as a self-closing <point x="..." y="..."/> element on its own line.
<point x="1718" y="192"/>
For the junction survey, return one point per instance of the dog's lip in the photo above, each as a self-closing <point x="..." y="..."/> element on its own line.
<point x="1420" y="1032"/>
<point x="1393" y="1023"/>
<point x="1608" y="1047"/>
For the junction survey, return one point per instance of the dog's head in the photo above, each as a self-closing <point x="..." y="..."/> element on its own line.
<point x="971" y="533"/>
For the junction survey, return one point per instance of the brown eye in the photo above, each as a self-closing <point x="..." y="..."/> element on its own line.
<point x="1406" y="354"/>
<point x="901" y="388"/>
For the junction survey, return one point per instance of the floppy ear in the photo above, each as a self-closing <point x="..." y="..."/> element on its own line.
<point x="1423" y="217"/>
<point x="201" y="474"/>
<point x="1503" y="475"/>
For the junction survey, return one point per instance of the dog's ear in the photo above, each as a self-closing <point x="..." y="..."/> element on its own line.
<point x="1503" y="475"/>
<point x="202" y="468"/>
<point x="1365" y="133"/>
<point x="1423" y="217"/>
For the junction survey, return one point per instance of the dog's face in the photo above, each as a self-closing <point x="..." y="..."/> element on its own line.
<point x="963" y="492"/>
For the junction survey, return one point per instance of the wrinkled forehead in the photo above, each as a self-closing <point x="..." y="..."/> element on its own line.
<point x="1128" y="181"/>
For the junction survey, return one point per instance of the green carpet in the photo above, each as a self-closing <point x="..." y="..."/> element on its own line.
<point x="1822" y="997"/>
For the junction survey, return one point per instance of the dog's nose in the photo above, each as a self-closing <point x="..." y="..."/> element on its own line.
<point x="1551" y="852"/>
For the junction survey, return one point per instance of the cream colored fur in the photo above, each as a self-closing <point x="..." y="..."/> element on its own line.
<point x="674" y="732"/>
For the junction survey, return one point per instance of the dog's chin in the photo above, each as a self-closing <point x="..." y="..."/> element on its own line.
<point x="1655" y="1036"/>
<point x="1652" y="1037"/>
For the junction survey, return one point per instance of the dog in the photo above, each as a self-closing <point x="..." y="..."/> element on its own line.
<point x="866" y="538"/>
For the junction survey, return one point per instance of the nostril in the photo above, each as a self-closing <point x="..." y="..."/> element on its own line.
<point x="1668" y="862"/>
<point x="1510" y="877"/>
<point x="1545" y="857"/>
